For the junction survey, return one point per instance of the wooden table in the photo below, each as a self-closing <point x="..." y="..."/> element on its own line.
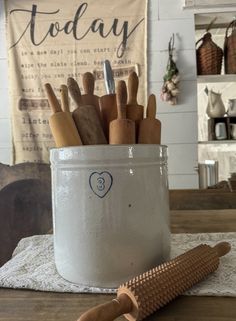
<point x="25" y="305"/>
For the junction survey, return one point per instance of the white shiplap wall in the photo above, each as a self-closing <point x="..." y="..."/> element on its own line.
<point x="179" y="123"/>
<point x="5" y="128"/>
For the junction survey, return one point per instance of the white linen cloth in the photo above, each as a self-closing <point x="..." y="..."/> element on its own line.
<point x="32" y="266"/>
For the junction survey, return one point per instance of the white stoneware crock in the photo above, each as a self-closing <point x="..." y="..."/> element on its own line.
<point x="110" y="212"/>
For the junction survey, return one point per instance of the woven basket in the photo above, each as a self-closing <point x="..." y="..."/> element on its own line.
<point x="209" y="56"/>
<point x="230" y="49"/>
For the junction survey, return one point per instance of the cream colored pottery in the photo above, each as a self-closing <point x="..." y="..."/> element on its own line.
<point x="231" y="104"/>
<point x="215" y="106"/>
<point x="110" y="212"/>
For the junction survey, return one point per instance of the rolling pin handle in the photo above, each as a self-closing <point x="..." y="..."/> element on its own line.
<point x="88" y="83"/>
<point x="64" y="98"/>
<point x="109" y="311"/>
<point x="121" y="98"/>
<point x="74" y="91"/>
<point x="222" y="248"/>
<point x="133" y="83"/>
<point x="52" y="99"/>
<point x="151" y="107"/>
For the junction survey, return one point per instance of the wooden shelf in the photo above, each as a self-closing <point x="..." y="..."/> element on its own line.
<point x="216" y="78"/>
<point x="211" y="123"/>
<point x="210" y="4"/>
<point x="225" y="141"/>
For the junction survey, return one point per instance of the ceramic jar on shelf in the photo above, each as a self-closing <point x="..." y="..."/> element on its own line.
<point x="215" y="106"/>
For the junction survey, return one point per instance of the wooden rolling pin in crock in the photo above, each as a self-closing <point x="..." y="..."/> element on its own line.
<point x="147" y="293"/>
<point x="108" y="106"/>
<point x="88" y="98"/>
<point x="122" y="130"/>
<point x="150" y="127"/>
<point x="61" y="123"/>
<point x="64" y="98"/>
<point x="86" y="118"/>
<point x="134" y="110"/>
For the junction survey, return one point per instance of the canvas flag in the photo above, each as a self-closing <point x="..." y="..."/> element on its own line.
<point x="49" y="41"/>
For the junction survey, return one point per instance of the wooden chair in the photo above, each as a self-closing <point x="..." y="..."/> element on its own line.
<point x="25" y="210"/>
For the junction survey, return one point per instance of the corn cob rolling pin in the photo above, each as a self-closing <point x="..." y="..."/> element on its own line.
<point x="146" y="293"/>
<point x="61" y="123"/>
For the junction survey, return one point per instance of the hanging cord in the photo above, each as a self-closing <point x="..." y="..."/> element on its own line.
<point x="211" y="24"/>
<point x="170" y="50"/>
<point x="171" y="66"/>
<point x="171" y="45"/>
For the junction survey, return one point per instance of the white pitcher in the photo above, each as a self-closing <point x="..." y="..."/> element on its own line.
<point x="215" y="106"/>
<point x="231" y="105"/>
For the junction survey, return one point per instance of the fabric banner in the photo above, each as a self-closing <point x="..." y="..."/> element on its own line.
<point x="51" y="41"/>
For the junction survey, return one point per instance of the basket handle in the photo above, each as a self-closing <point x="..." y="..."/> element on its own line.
<point x="232" y="24"/>
<point x="206" y="37"/>
<point x="201" y="39"/>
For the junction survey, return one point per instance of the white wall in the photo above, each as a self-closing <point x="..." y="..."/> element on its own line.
<point x="179" y="123"/>
<point x="5" y="131"/>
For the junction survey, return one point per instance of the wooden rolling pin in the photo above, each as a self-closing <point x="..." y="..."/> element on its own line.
<point x="122" y="130"/>
<point x="146" y="293"/>
<point x="61" y="123"/>
<point x="64" y="98"/>
<point x="134" y="110"/>
<point x="89" y="98"/>
<point x="108" y="106"/>
<point x="150" y="127"/>
<point x="86" y="118"/>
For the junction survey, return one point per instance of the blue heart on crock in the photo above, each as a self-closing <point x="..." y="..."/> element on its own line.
<point x="100" y="183"/>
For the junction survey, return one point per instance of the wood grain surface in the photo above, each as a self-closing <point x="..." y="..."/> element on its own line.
<point x="205" y="221"/>
<point x="25" y="305"/>
<point x="22" y="305"/>
<point x="202" y="199"/>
